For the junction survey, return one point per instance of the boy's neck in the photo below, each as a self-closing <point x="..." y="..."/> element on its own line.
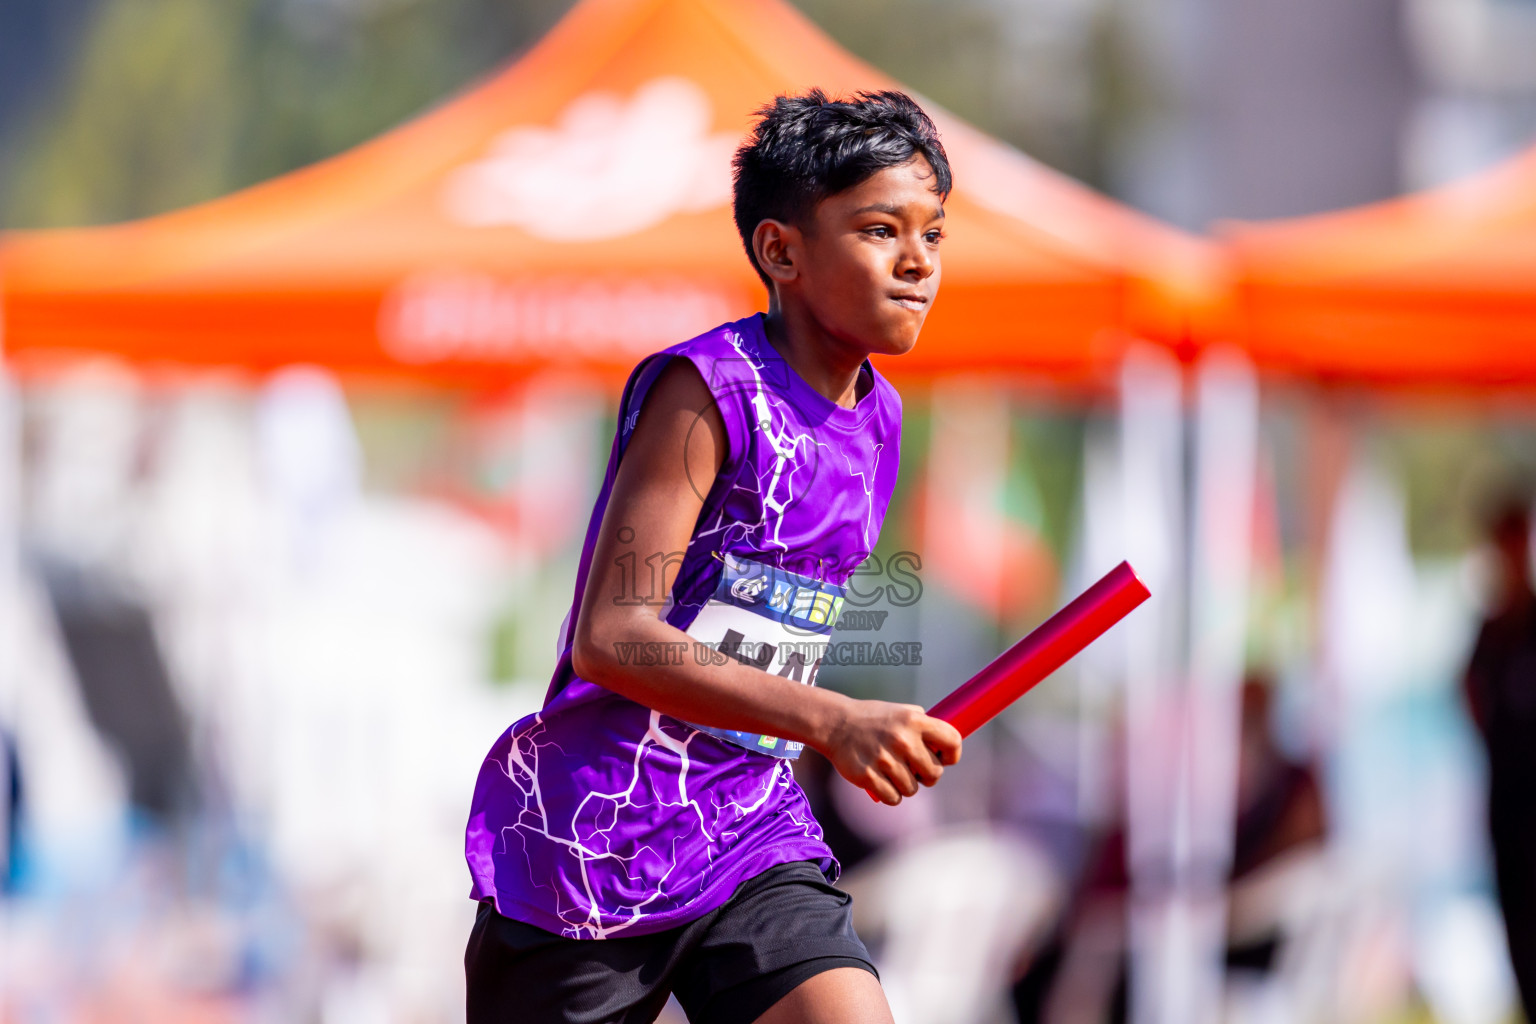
<point x="827" y="363"/>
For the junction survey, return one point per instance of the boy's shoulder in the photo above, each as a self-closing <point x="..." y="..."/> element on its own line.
<point x="734" y="359"/>
<point x="737" y="354"/>
<point x="734" y="351"/>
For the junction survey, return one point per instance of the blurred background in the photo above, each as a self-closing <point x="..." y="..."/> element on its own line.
<point x="261" y="625"/>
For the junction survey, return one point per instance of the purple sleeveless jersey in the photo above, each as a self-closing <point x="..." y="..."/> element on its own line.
<point x="596" y="816"/>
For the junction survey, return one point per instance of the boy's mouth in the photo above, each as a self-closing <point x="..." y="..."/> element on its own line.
<point x="911" y="300"/>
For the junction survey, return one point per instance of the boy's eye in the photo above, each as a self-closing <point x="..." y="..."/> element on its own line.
<point x="934" y="236"/>
<point x="880" y="231"/>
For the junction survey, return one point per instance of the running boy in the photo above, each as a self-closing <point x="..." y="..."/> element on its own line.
<point x="643" y="834"/>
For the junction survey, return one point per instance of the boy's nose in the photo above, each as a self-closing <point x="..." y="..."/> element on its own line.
<point x="915" y="264"/>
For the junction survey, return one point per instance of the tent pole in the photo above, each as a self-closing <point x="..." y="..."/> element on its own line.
<point x="1151" y="447"/>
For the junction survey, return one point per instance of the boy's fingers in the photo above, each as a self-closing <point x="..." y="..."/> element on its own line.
<point x="882" y="791"/>
<point x="927" y="766"/>
<point x="928" y="769"/>
<point x="902" y="778"/>
<point x="943" y="739"/>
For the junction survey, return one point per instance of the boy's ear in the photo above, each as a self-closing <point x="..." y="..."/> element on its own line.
<point x="776" y="245"/>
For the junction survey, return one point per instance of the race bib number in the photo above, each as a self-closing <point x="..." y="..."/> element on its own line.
<point x="770" y="619"/>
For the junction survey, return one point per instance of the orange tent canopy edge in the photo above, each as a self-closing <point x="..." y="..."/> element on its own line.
<point x="1434" y="290"/>
<point x="573" y="210"/>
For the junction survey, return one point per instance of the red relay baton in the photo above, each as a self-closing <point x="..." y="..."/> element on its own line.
<point x="1016" y="671"/>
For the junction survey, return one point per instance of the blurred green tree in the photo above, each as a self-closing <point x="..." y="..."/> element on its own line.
<point x="135" y="130"/>
<point x="1030" y="72"/>
<point x="177" y="101"/>
<point x="172" y="102"/>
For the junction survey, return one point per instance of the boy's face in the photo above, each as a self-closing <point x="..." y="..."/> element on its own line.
<point x="868" y="269"/>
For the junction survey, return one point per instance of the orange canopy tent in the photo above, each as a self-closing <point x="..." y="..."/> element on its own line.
<point x="574" y="209"/>
<point x="1433" y="290"/>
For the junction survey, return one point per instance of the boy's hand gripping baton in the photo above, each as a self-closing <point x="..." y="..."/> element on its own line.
<point x="1016" y="671"/>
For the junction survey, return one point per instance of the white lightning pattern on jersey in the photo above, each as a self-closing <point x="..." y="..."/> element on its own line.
<point x="658" y="773"/>
<point x="792" y="459"/>
<point x="652" y="784"/>
<point x="866" y="480"/>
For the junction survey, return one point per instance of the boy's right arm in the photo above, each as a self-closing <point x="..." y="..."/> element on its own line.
<point x="671" y="462"/>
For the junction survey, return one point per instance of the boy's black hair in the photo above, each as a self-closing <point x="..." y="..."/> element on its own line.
<point x="806" y="148"/>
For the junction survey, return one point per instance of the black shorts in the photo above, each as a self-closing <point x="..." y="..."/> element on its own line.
<point x="728" y="967"/>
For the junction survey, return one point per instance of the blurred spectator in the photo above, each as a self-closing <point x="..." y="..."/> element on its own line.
<point x="111" y="644"/>
<point x="820" y="781"/>
<point x="1279" y="802"/>
<point x="947" y="907"/>
<point x="1279" y="828"/>
<point x="11" y="805"/>
<point x="1501" y="693"/>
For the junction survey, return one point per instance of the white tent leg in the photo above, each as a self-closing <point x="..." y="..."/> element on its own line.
<point x="1152" y="514"/>
<point x="1182" y="708"/>
<point x="1220" y="557"/>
